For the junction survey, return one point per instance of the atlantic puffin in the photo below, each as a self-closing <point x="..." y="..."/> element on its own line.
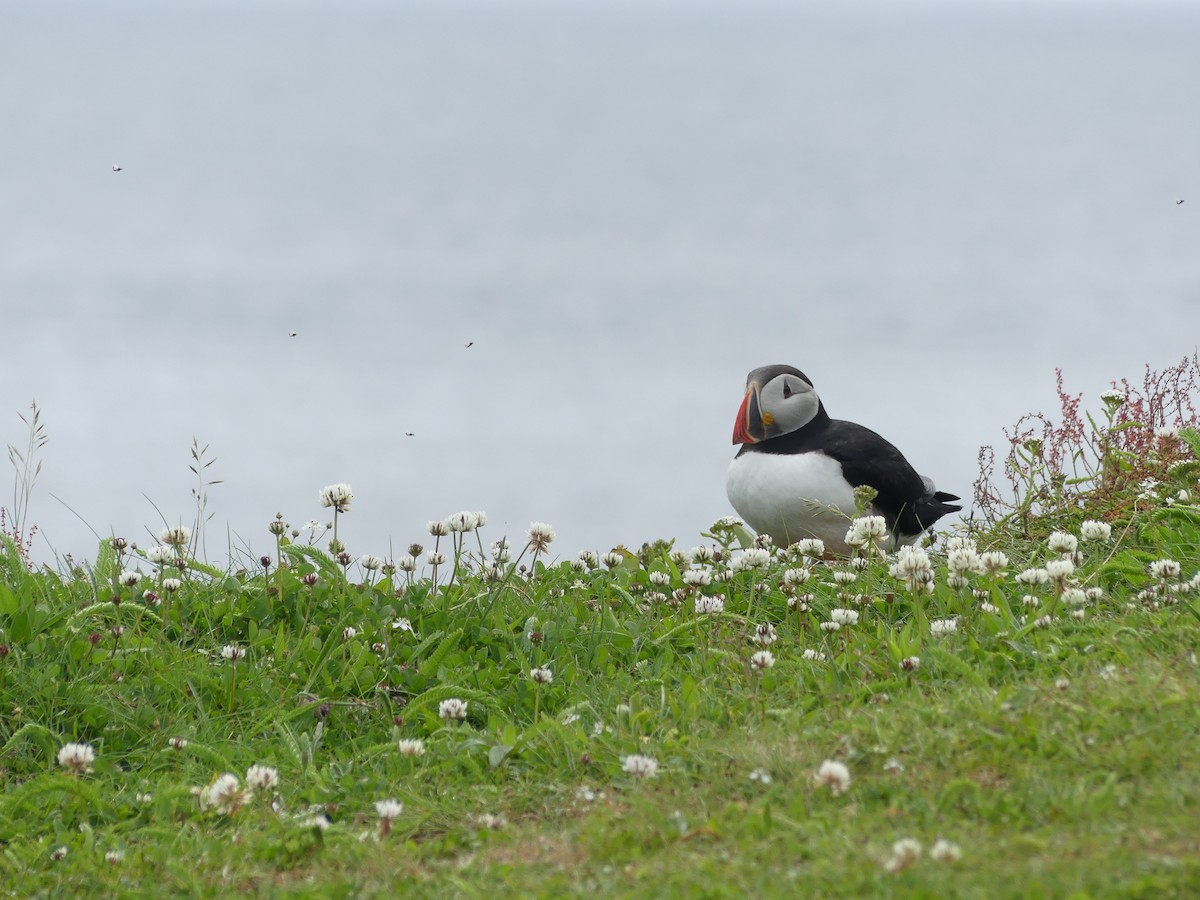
<point x="795" y="474"/>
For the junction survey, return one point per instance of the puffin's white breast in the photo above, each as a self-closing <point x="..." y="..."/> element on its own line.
<point x="792" y="496"/>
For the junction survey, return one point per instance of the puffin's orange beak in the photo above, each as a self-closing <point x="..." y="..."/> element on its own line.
<point x="749" y="427"/>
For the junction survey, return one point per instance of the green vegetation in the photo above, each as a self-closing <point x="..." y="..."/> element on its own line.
<point x="1021" y="700"/>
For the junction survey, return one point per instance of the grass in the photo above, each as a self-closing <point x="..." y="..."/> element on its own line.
<point x="1058" y="756"/>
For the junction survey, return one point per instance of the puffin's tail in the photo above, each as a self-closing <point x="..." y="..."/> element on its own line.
<point x="933" y="505"/>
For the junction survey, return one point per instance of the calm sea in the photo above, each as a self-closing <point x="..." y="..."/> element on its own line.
<point x="528" y="251"/>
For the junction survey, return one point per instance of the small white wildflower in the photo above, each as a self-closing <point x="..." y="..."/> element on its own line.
<point x="1030" y="602"/>
<point x="964" y="560"/>
<point x="162" y="555"/>
<point x="843" y="577"/>
<point x="1060" y="569"/>
<point x="591" y="558"/>
<point x="435" y="558"/>
<point x="1166" y="433"/>
<point x="814" y="655"/>
<point x="349" y="633"/>
<point x="412" y="747"/>
<point x="171" y="585"/>
<point x="233" y="652"/>
<point x="77" y="758"/>
<point x="762" y="660"/>
<point x="58" y="854"/>
<point x="1074" y="596"/>
<point x="1079" y="614"/>
<point x="910" y="663"/>
<point x="262" y="778"/>
<point x="541" y="675"/>
<point x="540" y="536"/>
<point x="726" y="522"/>
<point x="893" y="766"/>
<point x="762" y="776"/>
<point x="1094" y="594"/>
<point x="905" y="852"/>
<point x="1109" y="672"/>
<point x="844" y="616"/>
<point x="461" y="522"/>
<point x="1034" y="576"/>
<point x="177" y="536"/>
<point x="754" y="558"/>
<point x="129" y="579"/>
<point x="994" y="562"/>
<point x="370" y="562"/>
<point x="989" y="608"/>
<point x="225" y="794"/>
<point x="1164" y="569"/>
<point x="642" y="766"/>
<point x="796" y="576"/>
<point x="402" y="625"/>
<point x="338" y="496"/>
<point x="1091" y="530"/>
<point x="437" y="528"/>
<point x="389" y="810"/>
<point x="834" y="775"/>
<point x="1062" y="683"/>
<point x="866" y="530"/>
<point x="177" y="743"/>
<point x="831" y="626"/>
<point x="660" y="579"/>
<point x="707" y="606"/>
<point x="943" y="627"/>
<point x="1062" y="542"/>
<point x="945" y="851"/>
<point x="764" y="634"/>
<point x="491" y="821"/>
<point x="112" y="857"/>
<point x="1043" y="621"/>
<point x="1112" y="398"/>
<point x="810" y="547"/>
<point x="703" y="555"/>
<point x="612" y="559"/>
<point x="453" y="708"/>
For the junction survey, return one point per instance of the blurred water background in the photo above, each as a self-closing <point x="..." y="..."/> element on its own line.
<point x="550" y="239"/>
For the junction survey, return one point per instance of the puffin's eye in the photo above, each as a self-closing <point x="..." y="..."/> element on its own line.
<point x="787" y="390"/>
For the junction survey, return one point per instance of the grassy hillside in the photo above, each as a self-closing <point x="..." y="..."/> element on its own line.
<point x="1012" y="712"/>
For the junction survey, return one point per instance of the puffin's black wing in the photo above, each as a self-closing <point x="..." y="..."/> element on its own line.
<point x="904" y="497"/>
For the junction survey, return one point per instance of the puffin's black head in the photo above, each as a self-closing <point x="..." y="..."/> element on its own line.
<point x="779" y="400"/>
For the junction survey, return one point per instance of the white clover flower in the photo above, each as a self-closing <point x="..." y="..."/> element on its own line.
<point x="411" y="747"/>
<point x="389" y="810"/>
<point x="1030" y="602"/>
<point x="162" y="555"/>
<point x="612" y="559"/>
<point x="764" y="634"/>
<point x="810" y="547"/>
<point x="129" y="579"/>
<point x="232" y="652"/>
<point x="541" y="675"/>
<point x="1034" y="576"/>
<point x="796" y="576"/>
<point x="905" y="852"/>
<point x="660" y="579"/>
<point x="349" y="633"/>
<point x="1061" y="542"/>
<point x="370" y="562"/>
<point x="1043" y="621"/>
<point x="754" y="558"/>
<point x="491" y="821"/>
<point x="225" y="794"/>
<point x="437" y="528"/>
<point x="338" y="496"/>
<point x="1060" y="569"/>
<point x="707" y="606"/>
<point x="1074" y="596"/>
<point x="177" y="536"/>
<point x="112" y="857"/>
<point x="830" y="626"/>
<point x="262" y="778"/>
<point x="461" y="522"/>
<point x="912" y="566"/>
<point x="814" y="655"/>
<point x="1166" y="433"/>
<point x="703" y="555"/>
<point x="1079" y="614"/>
<point x="591" y="558"/>
<point x="961" y="542"/>
<point x="435" y="558"/>
<point x="762" y="776"/>
<point x="697" y="578"/>
<point x="540" y="536"/>
<point x="403" y="625"/>
<point x="59" y="853"/>
<point x="480" y="518"/>
<point x="762" y="660"/>
<point x="945" y="851"/>
<point x="77" y="758"/>
<point x="177" y="743"/>
<point x="833" y="775"/>
<point x="453" y="708"/>
<point x="943" y="627"/>
<point x="171" y="585"/>
<point x="407" y="563"/>
<point x="1165" y="569"/>
<point x="994" y="562"/>
<point x="989" y="608"/>
<point x="642" y="766"/>
<point x="1094" y="594"/>
<point x="844" y="616"/>
<point x="910" y="663"/>
<point x="843" y="577"/>
<point x="963" y="560"/>
<point x="866" y="530"/>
